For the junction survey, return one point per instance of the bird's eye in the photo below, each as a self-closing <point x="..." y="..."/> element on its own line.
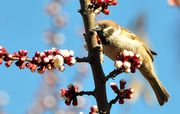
<point x="104" y="25"/>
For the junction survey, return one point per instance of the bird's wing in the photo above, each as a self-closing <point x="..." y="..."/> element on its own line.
<point x="135" y="37"/>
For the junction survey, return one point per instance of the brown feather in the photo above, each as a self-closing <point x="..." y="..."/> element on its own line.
<point x="135" y="37"/>
<point x="125" y="40"/>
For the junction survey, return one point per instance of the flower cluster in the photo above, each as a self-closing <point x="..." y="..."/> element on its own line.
<point x="128" y="61"/>
<point x="94" y="110"/>
<point x="69" y="95"/>
<point x="8" y="58"/>
<point x="52" y="59"/>
<point x="21" y="55"/>
<point x="122" y="92"/>
<point x="49" y="59"/>
<point x="3" y="53"/>
<point x="174" y="2"/>
<point x="104" y="4"/>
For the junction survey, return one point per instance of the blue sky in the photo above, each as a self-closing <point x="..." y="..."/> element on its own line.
<point x="22" y="26"/>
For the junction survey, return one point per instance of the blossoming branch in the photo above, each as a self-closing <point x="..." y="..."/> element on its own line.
<point x="49" y="59"/>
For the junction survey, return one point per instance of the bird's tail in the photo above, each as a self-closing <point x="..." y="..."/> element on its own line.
<point x="160" y="91"/>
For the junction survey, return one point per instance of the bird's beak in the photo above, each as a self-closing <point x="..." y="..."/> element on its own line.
<point x="96" y="28"/>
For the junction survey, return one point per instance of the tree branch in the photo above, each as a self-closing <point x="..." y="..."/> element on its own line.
<point x="113" y="74"/>
<point x="113" y="101"/>
<point x="81" y="93"/>
<point x="84" y="59"/>
<point x="94" y="52"/>
<point x="49" y="59"/>
<point x="17" y="58"/>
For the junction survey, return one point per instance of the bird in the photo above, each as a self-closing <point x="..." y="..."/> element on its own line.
<point x="115" y="39"/>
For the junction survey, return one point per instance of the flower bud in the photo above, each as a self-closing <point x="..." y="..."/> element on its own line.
<point x="58" y="61"/>
<point x="70" y="61"/>
<point x="94" y="109"/>
<point x="33" y="68"/>
<point x="41" y="70"/>
<point x="45" y="59"/>
<point x="29" y="65"/>
<point x="42" y="55"/>
<point x="125" y="53"/>
<point x="129" y="96"/>
<point x="49" y="67"/>
<point x="65" y="53"/>
<point x="114" y="2"/>
<point x="122" y="83"/>
<point x="8" y="63"/>
<point x="74" y="102"/>
<point x="127" y="70"/>
<point x="126" y="64"/>
<point x="131" y="54"/>
<point x="118" y="64"/>
<point x="48" y="52"/>
<point x="63" y="92"/>
<point x="121" y="101"/>
<point x="106" y="11"/>
<point x="37" y="54"/>
<point x="71" y="52"/>
<point x="22" y="52"/>
<point x="22" y="66"/>
<point x="114" y="87"/>
<point x="1" y="60"/>
<point x="101" y="2"/>
<point x="61" y="68"/>
<point x="131" y="91"/>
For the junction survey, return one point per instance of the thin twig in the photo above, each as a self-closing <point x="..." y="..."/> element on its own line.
<point x="113" y="101"/>
<point x="16" y="58"/>
<point x="81" y="93"/>
<point x="84" y="59"/>
<point x="113" y="74"/>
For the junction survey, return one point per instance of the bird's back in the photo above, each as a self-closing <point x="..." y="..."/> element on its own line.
<point x="120" y="43"/>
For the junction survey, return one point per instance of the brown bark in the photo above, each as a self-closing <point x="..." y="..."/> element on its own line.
<point x="94" y="54"/>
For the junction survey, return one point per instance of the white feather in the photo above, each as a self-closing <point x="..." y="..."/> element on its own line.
<point x="117" y="32"/>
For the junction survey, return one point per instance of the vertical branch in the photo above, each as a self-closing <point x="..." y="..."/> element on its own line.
<point x="94" y="53"/>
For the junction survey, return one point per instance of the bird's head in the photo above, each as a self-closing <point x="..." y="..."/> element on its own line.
<point x="107" y="29"/>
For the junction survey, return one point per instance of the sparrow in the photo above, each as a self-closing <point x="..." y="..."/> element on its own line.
<point x="115" y="39"/>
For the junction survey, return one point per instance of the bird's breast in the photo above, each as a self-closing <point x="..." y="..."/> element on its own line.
<point x="111" y="51"/>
